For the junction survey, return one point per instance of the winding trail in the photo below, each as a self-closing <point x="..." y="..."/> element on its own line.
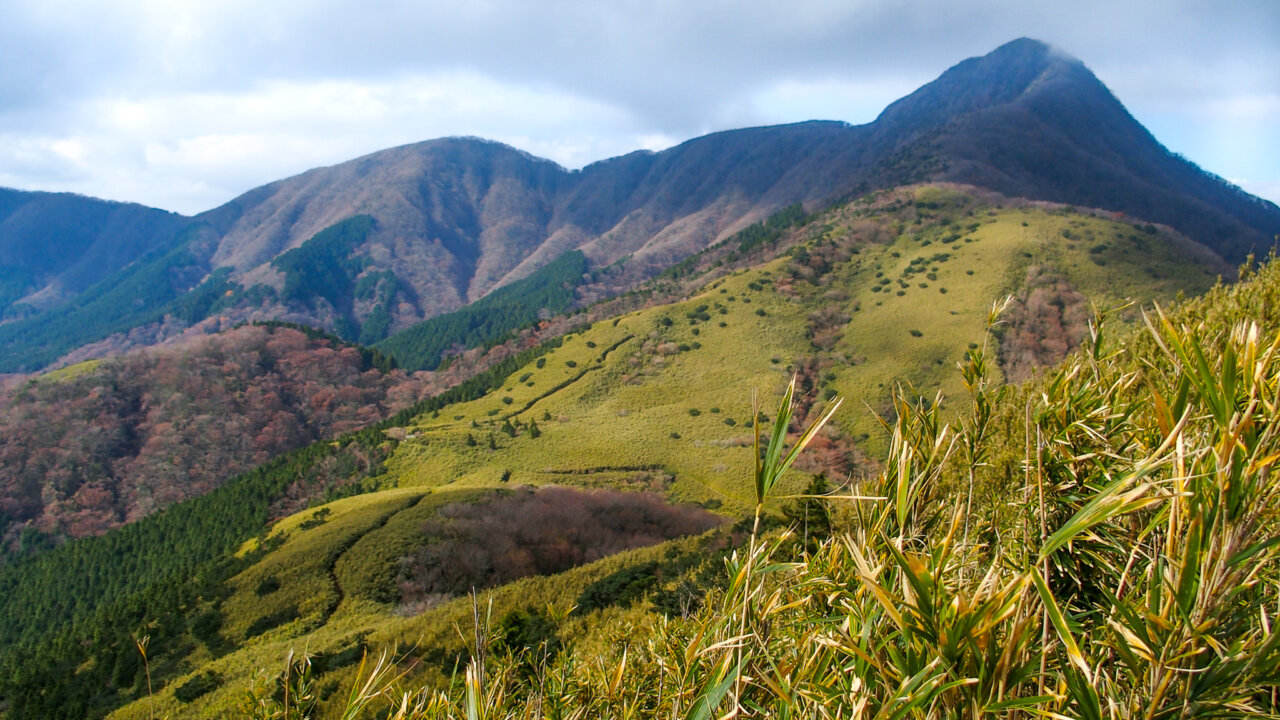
<point x="566" y="383"/>
<point x="332" y="565"/>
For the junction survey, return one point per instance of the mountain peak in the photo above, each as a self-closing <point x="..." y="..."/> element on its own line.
<point x="1027" y="48"/>
<point x="997" y="78"/>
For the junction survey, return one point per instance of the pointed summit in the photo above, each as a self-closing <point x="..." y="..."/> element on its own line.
<point x="1030" y="120"/>
<point x="997" y="78"/>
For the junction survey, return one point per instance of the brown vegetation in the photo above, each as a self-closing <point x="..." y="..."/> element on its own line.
<point x="537" y="532"/>
<point x="1047" y="320"/>
<point x="80" y="454"/>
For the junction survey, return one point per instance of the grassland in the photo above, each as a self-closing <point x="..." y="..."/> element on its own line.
<point x="879" y="294"/>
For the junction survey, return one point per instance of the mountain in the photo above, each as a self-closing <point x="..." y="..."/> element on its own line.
<point x="55" y="245"/>
<point x="876" y="297"/>
<point x="887" y="292"/>
<point x="1029" y="121"/>
<point x="372" y="246"/>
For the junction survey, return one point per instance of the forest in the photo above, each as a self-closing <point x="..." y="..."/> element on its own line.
<point x="544" y="293"/>
<point x="89" y="593"/>
<point x="101" y="444"/>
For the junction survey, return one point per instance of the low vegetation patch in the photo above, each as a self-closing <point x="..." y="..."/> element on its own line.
<point x="537" y="532"/>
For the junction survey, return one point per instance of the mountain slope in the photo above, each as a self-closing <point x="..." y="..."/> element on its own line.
<point x="659" y="399"/>
<point x="1029" y="121"/>
<point x="103" y="443"/>
<point x="863" y="297"/>
<point x="55" y="245"/>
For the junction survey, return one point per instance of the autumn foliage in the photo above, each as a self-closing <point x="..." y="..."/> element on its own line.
<point x="537" y="532"/>
<point x="82" y="453"/>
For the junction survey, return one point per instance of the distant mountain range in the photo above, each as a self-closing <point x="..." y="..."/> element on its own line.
<point x="377" y="244"/>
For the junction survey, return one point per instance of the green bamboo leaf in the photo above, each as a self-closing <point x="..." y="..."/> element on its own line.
<point x="916" y="693"/>
<point x="1189" y="570"/>
<point x="770" y="469"/>
<point x="803" y="441"/>
<point x="1059" y="622"/>
<point x="1253" y="550"/>
<point x="1111" y="502"/>
<point x="1023" y="703"/>
<point x="711" y="698"/>
<point x="1084" y="693"/>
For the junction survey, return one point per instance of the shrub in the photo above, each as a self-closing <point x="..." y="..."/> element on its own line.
<point x="271" y="621"/>
<point x="267" y="585"/>
<point x="621" y="588"/>
<point x="198" y="686"/>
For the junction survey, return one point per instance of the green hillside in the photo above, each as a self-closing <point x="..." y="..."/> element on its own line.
<point x="889" y="291"/>
<point x="1100" y="542"/>
<point x="547" y="291"/>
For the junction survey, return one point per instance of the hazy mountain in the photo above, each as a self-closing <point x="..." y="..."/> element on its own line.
<point x="377" y="244"/>
<point x="55" y="245"/>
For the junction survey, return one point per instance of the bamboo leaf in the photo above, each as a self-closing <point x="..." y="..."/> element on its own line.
<point x="1059" y="622"/>
<point x="711" y="698"/>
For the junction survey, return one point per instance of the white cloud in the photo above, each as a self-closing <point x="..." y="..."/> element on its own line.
<point x="184" y="104"/>
<point x="192" y="151"/>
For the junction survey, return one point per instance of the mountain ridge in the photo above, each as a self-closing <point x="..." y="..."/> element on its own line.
<point x="456" y="218"/>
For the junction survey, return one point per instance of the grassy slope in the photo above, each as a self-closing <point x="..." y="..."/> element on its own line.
<point x="952" y="310"/>
<point x="611" y="399"/>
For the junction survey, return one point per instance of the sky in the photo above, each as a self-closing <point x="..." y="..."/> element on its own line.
<point x="185" y="105"/>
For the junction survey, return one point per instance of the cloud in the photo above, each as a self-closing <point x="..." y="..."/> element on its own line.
<point x="186" y="104"/>
<point x="188" y="151"/>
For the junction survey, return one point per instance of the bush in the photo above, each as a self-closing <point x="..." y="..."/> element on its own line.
<point x="272" y="621"/>
<point x="267" y="585"/>
<point x="621" y="588"/>
<point x="206" y="625"/>
<point x="202" y="684"/>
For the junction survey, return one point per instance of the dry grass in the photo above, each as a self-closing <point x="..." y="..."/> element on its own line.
<point x="1135" y="577"/>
